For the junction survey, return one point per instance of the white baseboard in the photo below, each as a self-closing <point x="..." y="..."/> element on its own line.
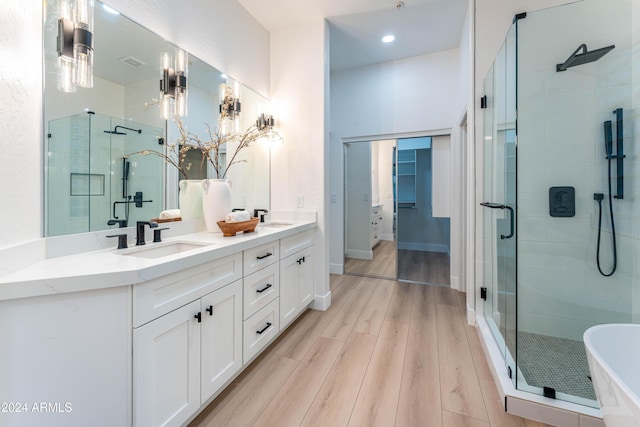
<point x="321" y="302"/>
<point x="471" y="316"/>
<point x="336" y="268"/>
<point x="454" y="283"/>
<point x="357" y="254"/>
<point x="425" y="247"/>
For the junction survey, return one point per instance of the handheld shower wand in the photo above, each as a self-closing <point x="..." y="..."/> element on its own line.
<point x="598" y="197"/>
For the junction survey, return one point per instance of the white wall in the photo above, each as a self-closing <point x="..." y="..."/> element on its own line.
<point x="21" y="124"/>
<point x="410" y="95"/>
<point x="298" y="176"/>
<point x="203" y="30"/>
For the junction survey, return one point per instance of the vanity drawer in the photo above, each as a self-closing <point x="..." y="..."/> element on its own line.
<point x="157" y="297"/>
<point x="261" y="256"/>
<point x="260" y="329"/>
<point x="292" y="244"/>
<point x="260" y="288"/>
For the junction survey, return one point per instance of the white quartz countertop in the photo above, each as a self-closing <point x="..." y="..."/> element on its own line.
<point x="107" y="268"/>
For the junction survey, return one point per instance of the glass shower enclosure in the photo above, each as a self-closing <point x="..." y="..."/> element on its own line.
<point x="560" y="206"/>
<point x="88" y="179"/>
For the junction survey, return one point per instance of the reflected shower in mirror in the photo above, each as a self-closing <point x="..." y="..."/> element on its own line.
<point x="81" y="158"/>
<point x="89" y="182"/>
<point x="370" y="248"/>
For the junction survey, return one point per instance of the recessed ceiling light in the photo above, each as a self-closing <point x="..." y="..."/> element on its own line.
<point x="388" y="38"/>
<point x="110" y="10"/>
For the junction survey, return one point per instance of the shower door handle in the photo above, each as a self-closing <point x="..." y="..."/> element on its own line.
<point x="511" y="218"/>
<point x="511" y="225"/>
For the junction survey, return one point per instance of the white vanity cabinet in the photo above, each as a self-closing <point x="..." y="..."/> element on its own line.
<point x="182" y="357"/>
<point x="166" y="368"/>
<point x="296" y="276"/>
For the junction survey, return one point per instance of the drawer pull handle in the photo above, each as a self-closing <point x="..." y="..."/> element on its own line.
<point x="267" y="255"/>
<point x="300" y="261"/>
<point x="199" y="317"/>
<point x="210" y="310"/>
<point x="263" y="329"/>
<point x="264" y="289"/>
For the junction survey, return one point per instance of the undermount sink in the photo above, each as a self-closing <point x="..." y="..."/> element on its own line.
<point x="159" y="250"/>
<point x="613" y="352"/>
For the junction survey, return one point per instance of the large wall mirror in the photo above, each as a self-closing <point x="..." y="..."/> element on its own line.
<point x="90" y="179"/>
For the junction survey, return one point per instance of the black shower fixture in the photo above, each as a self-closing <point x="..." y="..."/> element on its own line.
<point x="599" y="197"/>
<point x="584" y="57"/>
<point x="115" y="130"/>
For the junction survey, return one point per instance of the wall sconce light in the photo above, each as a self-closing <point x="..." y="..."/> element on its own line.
<point x="173" y="85"/>
<point x="75" y="45"/>
<point x="230" y="105"/>
<point x="265" y="125"/>
<point x="265" y="122"/>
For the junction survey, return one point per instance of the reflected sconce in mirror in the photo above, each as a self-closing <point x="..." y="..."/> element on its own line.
<point x="265" y="122"/>
<point x="75" y="45"/>
<point x="230" y="105"/>
<point x="173" y="85"/>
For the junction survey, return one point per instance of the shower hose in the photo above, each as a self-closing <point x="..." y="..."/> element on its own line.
<point x="613" y="227"/>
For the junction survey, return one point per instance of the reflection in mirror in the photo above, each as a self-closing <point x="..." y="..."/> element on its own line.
<point x="88" y="182"/>
<point x="370" y="248"/>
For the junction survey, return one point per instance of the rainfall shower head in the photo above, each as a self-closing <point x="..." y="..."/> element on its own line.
<point x="583" y="57"/>
<point x="115" y="130"/>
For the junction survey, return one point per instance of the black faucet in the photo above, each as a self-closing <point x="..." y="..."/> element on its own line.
<point x="140" y="231"/>
<point x="122" y="240"/>
<point x="122" y="223"/>
<point x="257" y="211"/>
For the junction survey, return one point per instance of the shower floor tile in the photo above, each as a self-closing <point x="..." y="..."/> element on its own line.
<point x="555" y="362"/>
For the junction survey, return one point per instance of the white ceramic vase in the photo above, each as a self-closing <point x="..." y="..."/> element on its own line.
<point x="216" y="201"/>
<point x="190" y="199"/>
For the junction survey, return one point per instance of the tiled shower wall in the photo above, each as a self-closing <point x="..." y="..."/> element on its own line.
<point x="561" y="143"/>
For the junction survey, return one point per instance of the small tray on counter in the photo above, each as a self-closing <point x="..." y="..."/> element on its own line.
<point x="161" y="220"/>
<point x="231" y="228"/>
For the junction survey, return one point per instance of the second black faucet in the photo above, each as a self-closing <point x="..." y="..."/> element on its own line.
<point x="140" y="231"/>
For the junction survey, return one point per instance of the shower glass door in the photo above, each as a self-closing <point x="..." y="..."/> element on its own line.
<point x="577" y="66"/>
<point x="499" y="202"/>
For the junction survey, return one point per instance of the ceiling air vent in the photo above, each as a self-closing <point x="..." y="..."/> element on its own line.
<point x="132" y="62"/>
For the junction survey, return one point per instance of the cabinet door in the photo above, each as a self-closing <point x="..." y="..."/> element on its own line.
<point x="166" y="367"/>
<point x="288" y="279"/>
<point x="221" y="355"/>
<point x="296" y="284"/>
<point x="305" y="278"/>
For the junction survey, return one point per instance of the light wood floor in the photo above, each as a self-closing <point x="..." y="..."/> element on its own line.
<point x="415" y="266"/>
<point x="383" y="263"/>
<point x="424" y="267"/>
<point x="384" y="354"/>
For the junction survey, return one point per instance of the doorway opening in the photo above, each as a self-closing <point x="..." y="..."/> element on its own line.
<point x="395" y="219"/>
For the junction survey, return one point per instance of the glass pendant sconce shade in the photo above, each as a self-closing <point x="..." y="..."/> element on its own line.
<point x="173" y="85"/>
<point x="75" y="45"/>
